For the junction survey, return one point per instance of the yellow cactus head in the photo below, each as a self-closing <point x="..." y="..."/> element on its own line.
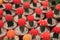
<point x="1" y="1"/>
<point x="26" y="37"/>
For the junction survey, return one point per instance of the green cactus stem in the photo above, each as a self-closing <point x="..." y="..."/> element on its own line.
<point x="10" y="39"/>
<point x="17" y="5"/>
<point x="31" y="24"/>
<point x="37" y="15"/>
<point x="0" y="31"/>
<point x="55" y="35"/>
<point x="42" y="28"/>
<point x="10" y="24"/>
<point x="24" y="0"/>
<point x="27" y="10"/>
<point x="56" y="12"/>
<point x="22" y="29"/>
<point x="49" y="20"/>
<point x="19" y="16"/>
<point x="8" y="12"/>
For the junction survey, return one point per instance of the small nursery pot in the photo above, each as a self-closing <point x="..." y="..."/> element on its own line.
<point x="28" y="13"/>
<point x="37" y="17"/>
<point x="31" y="24"/>
<point x="19" y="32"/>
<point x="9" y="27"/>
<point x="33" y="7"/>
<point x="40" y="29"/>
<point x="45" y="10"/>
<point x="52" y="22"/>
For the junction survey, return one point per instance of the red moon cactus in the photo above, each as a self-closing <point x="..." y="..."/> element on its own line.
<point x="33" y="32"/>
<point x="38" y="11"/>
<point x="26" y="5"/>
<point x="9" y="17"/>
<point x="19" y="11"/>
<point x="8" y="6"/>
<point x="58" y="7"/>
<point x="50" y="14"/>
<point x="30" y="18"/>
<point x="21" y="22"/>
<point x="42" y="22"/>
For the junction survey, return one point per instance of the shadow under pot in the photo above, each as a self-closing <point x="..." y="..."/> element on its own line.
<point x="21" y="30"/>
<point x="18" y="17"/>
<point x="37" y="17"/>
<point x="2" y="32"/>
<point x="31" y="24"/>
<point x="51" y="22"/>
<point x="10" y="25"/>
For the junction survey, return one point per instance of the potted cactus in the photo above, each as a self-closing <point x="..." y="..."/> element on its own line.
<point x="45" y="5"/>
<point x="17" y="4"/>
<point x="43" y="25"/>
<point x="34" y="4"/>
<point x="56" y="32"/>
<point x="45" y="36"/>
<point x="19" y="14"/>
<point x="11" y="35"/>
<point x="34" y="34"/>
<point x="8" y="8"/>
<point x="31" y="23"/>
<point x="51" y="21"/>
<point x="21" y="29"/>
<point x="9" y="24"/>
<point x="27" y="9"/>
<point x="38" y="14"/>
<point x="57" y="12"/>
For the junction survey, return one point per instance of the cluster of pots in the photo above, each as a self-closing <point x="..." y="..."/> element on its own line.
<point x="29" y="20"/>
